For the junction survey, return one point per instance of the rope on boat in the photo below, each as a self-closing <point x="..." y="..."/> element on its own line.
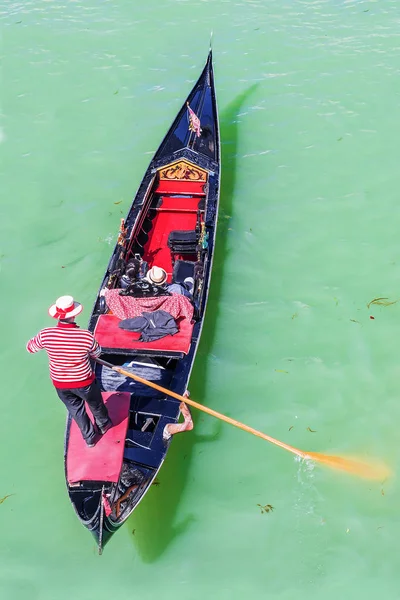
<point x="101" y="521"/>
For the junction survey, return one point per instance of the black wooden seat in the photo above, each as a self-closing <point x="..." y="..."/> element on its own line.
<point x="182" y="270"/>
<point x="183" y="241"/>
<point x="155" y="406"/>
<point x="153" y="456"/>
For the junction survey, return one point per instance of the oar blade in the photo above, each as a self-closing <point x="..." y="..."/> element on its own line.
<point x="377" y="471"/>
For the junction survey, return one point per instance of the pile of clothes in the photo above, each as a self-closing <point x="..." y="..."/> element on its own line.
<point x="151" y="325"/>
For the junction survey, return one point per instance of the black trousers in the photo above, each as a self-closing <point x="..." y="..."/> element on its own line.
<point x="75" y="398"/>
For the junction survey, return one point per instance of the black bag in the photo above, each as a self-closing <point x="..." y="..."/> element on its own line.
<point x="144" y="289"/>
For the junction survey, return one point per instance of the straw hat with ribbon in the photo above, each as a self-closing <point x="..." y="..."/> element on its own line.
<point x="65" y="307"/>
<point x="157" y="275"/>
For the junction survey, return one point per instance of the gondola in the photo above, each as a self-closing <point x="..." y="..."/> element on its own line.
<point x="171" y="224"/>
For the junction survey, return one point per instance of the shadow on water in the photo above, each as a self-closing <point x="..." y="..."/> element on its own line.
<point x="157" y="521"/>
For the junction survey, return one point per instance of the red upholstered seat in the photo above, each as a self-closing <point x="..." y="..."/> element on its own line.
<point x="109" y="335"/>
<point x="179" y="203"/>
<point x="192" y="188"/>
<point x="104" y="461"/>
<point x="156" y="251"/>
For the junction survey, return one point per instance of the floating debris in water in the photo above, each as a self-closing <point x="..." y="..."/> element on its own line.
<point x="291" y="427"/>
<point x="281" y="371"/>
<point x="294" y="315"/>
<point x="5" y="498"/>
<point x="382" y="492"/>
<point x="119" y="202"/>
<point x="381" y="302"/>
<point x="371" y="317"/>
<point x="312" y="430"/>
<point x="266" y="509"/>
<point x="354" y="321"/>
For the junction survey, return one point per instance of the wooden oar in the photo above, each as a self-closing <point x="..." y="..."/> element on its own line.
<point x="376" y="470"/>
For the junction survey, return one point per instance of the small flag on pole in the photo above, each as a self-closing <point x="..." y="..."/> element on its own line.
<point x="194" y="121"/>
<point x="106" y="504"/>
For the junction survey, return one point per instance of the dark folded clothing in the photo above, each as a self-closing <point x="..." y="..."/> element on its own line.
<point x="152" y="325"/>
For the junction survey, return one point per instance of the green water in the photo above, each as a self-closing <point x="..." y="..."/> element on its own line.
<point x="308" y="235"/>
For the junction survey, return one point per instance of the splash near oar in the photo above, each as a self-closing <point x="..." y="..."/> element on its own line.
<point x="375" y="470"/>
<point x="366" y="470"/>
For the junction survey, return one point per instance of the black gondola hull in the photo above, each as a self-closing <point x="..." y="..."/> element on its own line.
<point x="185" y="170"/>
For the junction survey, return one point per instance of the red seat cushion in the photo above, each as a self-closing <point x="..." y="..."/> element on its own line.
<point x="156" y="251"/>
<point x="170" y="186"/>
<point x="179" y="203"/>
<point x="109" y="335"/>
<point x="104" y="461"/>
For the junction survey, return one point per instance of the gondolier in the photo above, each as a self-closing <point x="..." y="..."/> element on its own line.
<point x="70" y="349"/>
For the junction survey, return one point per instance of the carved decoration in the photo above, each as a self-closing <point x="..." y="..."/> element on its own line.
<point x="183" y="171"/>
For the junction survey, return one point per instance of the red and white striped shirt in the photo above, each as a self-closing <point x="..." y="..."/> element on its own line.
<point x="69" y="349"/>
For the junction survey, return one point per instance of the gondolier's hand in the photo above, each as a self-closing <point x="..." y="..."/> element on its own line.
<point x="187" y="424"/>
<point x="182" y="405"/>
<point x="188" y="421"/>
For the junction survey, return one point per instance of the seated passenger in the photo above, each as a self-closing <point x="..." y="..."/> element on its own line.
<point x="150" y="286"/>
<point x="185" y="289"/>
<point x="158" y="276"/>
<point x="132" y="271"/>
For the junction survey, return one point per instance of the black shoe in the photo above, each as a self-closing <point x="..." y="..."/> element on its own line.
<point x="106" y="427"/>
<point x="93" y="441"/>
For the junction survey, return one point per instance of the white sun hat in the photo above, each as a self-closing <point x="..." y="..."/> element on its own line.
<point x="157" y="275"/>
<point x="65" y="307"/>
